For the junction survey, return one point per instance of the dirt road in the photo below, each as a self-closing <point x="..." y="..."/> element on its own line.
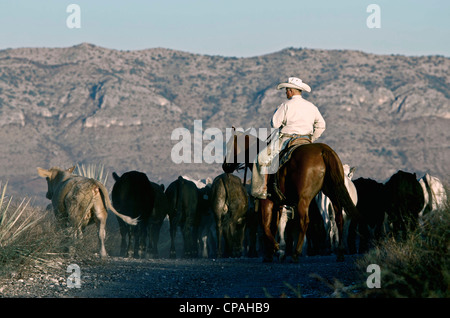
<point x="312" y="277"/>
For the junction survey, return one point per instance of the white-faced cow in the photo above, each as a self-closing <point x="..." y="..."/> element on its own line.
<point x="435" y="196"/>
<point x="78" y="201"/>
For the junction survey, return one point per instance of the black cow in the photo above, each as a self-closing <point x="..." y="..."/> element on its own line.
<point x="156" y="219"/>
<point x="206" y="235"/>
<point x="372" y="207"/>
<point x="230" y="204"/>
<point x="404" y="202"/>
<point x="183" y="207"/>
<point x="133" y="195"/>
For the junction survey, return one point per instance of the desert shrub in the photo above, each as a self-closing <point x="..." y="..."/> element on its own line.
<point x="17" y="221"/>
<point x="418" y="266"/>
<point x="30" y="236"/>
<point x="92" y="171"/>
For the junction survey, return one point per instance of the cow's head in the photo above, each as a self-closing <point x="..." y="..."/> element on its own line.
<point x="53" y="177"/>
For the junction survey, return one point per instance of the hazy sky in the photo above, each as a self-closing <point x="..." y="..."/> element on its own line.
<point x="231" y="27"/>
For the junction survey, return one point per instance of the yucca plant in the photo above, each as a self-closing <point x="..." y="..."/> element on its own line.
<point x="13" y="220"/>
<point x="16" y="221"/>
<point x="93" y="171"/>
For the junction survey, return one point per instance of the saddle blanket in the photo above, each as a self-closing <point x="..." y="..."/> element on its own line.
<point x="293" y="144"/>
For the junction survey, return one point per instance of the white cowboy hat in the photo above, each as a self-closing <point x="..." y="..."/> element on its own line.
<point x="295" y="82"/>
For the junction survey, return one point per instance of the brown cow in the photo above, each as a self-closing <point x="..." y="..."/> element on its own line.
<point x="77" y="201"/>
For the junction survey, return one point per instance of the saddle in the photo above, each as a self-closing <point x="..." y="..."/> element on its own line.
<point x="284" y="156"/>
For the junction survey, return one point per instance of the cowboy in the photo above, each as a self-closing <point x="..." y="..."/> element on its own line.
<point x="295" y="118"/>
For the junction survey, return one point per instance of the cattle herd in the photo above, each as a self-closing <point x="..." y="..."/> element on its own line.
<point x="218" y="218"/>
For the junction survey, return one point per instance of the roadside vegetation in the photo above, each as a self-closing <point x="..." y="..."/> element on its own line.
<point x="418" y="267"/>
<point x="29" y="235"/>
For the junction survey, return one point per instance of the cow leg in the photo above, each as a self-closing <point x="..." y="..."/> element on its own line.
<point x="101" y="218"/>
<point x="219" y="234"/>
<point x="130" y="232"/>
<point x="102" y="236"/>
<point x="101" y="215"/>
<point x="136" y="234"/>
<point x="364" y="237"/>
<point x="173" y="233"/>
<point x="150" y="245"/>
<point x="154" y="239"/>
<point x="142" y="238"/>
<point x="186" y="230"/>
<point x="123" y="234"/>
<point x="340" y="227"/>
<point x="351" y="238"/>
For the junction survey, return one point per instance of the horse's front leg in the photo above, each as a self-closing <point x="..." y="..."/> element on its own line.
<point x="269" y="228"/>
<point x="283" y="219"/>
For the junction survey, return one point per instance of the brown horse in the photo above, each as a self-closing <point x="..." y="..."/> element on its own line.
<point x="311" y="168"/>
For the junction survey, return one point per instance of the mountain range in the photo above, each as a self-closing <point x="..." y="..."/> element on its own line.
<point x="92" y="105"/>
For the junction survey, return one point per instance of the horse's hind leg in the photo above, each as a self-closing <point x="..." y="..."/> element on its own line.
<point x="303" y="219"/>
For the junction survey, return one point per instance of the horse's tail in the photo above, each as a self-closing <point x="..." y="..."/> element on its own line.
<point x="334" y="185"/>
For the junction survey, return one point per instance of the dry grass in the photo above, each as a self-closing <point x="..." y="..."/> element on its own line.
<point x="29" y="236"/>
<point x="20" y="240"/>
<point x="417" y="267"/>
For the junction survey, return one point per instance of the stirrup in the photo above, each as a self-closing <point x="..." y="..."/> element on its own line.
<point x="289" y="211"/>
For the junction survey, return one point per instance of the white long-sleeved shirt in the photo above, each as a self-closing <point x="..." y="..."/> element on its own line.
<point x="302" y="117"/>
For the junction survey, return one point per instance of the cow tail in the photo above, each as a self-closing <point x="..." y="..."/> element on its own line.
<point x="335" y="185"/>
<point x="108" y="205"/>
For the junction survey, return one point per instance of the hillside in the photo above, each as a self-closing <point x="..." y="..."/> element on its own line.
<point x="88" y="104"/>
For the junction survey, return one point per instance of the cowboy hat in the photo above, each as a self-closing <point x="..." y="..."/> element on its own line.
<point x="295" y="82"/>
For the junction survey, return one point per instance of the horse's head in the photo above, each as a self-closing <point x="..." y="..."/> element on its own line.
<point x="242" y="149"/>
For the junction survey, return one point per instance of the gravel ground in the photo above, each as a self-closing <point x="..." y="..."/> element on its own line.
<point x="312" y="277"/>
